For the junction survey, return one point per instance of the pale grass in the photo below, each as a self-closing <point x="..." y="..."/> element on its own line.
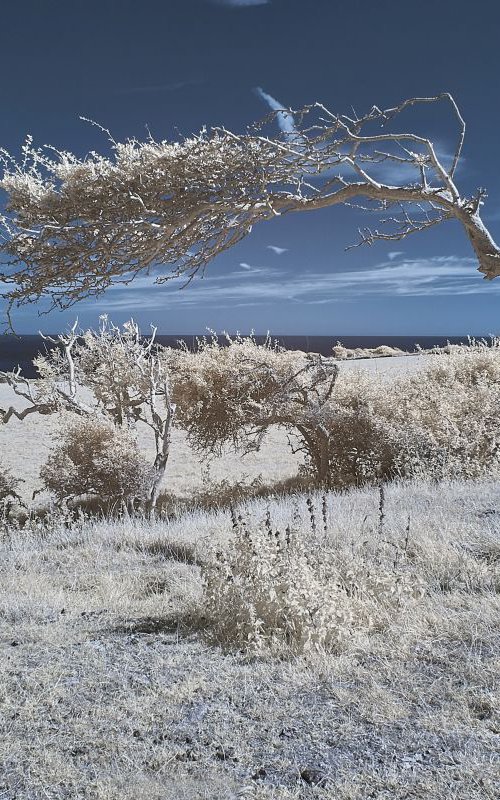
<point x="110" y="691"/>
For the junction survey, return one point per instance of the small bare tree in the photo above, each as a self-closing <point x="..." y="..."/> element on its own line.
<point x="74" y="226"/>
<point x="111" y="371"/>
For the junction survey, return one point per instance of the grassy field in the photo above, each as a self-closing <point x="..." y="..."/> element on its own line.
<point x="111" y="690"/>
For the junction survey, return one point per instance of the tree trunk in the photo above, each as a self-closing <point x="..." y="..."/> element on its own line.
<point x="160" y="466"/>
<point x="485" y="248"/>
<point x="317" y="446"/>
<point x="161" y="459"/>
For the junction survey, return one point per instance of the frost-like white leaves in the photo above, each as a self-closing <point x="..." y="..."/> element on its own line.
<point x="75" y="226"/>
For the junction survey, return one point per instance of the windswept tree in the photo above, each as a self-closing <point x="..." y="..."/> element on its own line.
<point x="233" y="394"/>
<point x="73" y="226"/>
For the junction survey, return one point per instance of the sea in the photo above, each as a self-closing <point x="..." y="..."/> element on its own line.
<point x="21" y="350"/>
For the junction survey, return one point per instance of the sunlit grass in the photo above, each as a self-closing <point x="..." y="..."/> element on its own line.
<point x="110" y="687"/>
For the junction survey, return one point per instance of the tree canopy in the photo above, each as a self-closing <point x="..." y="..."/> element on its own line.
<point x="74" y="226"/>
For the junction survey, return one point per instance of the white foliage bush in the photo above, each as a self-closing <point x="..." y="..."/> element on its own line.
<point x="8" y="485"/>
<point x="441" y="421"/>
<point x="445" y="417"/>
<point x="362" y="442"/>
<point x="93" y="457"/>
<point x="230" y="393"/>
<point x="266" y="594"/>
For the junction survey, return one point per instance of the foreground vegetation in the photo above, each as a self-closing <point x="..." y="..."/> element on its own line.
<point x="119" y="680"/>
<point x="327" y="633"/>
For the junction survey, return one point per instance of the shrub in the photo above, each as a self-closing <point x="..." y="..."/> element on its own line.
<point x="8" y="485"/>
<point x="440" y="422"/>
<point x="93" y="457"/>
<point x="445" y="417"/>
<point x="360" y="444"/>
<point x="263" y="595"/>
<point x="233" y="394"/>
<point x="222" y="391"/>
<point x="266" y="593"/>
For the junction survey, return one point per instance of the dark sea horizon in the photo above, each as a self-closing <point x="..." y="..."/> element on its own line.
<point x="21" y="350"/>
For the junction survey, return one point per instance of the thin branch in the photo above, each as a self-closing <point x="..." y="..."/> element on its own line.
<point x="76" y="226"/>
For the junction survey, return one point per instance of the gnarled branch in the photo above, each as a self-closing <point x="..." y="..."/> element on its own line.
<point x="73" y="226"/>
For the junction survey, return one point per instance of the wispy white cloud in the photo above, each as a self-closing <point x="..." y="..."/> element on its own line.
<point x="278" y="250"/>
<point x="394" y="254"/>
<point x="426" y="277"/>
<point x="285" y="119"/>
<point x="248" y="268"/>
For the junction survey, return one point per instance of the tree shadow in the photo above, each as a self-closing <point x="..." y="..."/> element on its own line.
<point x="182" y="624"/>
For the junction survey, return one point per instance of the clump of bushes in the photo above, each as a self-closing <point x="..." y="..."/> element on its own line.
<point x="353" y="429"/>
<point x="438" y="422"/>
<point x="94" y="458"/>
<point x="444" y="418"/>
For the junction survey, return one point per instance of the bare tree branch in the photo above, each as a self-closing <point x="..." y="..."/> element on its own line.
<point x="74" y="226"/>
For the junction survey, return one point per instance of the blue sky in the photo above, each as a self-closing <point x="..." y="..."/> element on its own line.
<point x="177" y="65"/>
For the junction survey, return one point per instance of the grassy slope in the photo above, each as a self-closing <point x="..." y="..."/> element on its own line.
<point x="108" y="692"/>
